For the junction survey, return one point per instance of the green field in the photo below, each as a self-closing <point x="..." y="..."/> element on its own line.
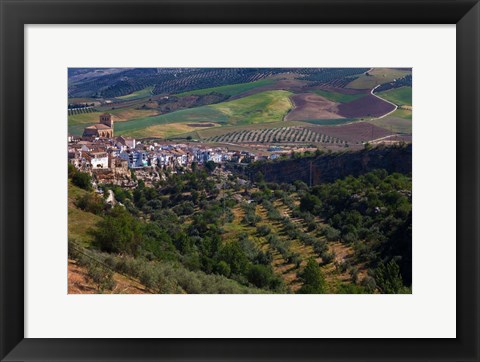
<point x="399" y="121"/>
<point x="394" y="124"/>
<point x="264" y="107"/>
<point x="77" y="122"/>
<point x="143" y="93"/>
<point x="377" y="76"/>
<point x="198" y="114"/>
<point x="339" y="97"/>
<point x="230" y="90"/>
<point x="402" y="113"/>
<point x="400" y="96"/>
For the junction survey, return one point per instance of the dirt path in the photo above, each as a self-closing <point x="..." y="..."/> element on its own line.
<point x="393" y="104"/>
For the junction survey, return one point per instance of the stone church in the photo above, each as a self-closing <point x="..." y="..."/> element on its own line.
<point x="103" y="129"/>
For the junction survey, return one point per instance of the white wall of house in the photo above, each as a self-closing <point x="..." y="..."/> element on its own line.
<point x="100" y="162"/>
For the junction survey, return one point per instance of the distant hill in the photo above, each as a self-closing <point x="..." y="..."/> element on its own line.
<point x="115" y="82"/>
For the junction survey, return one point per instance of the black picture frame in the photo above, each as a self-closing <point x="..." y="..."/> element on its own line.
<point x="16" y="13"/>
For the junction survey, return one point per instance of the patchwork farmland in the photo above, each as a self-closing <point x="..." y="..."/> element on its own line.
<point x="165" y="103"/>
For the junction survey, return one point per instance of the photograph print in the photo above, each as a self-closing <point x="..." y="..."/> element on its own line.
<point x="239" y="180"/>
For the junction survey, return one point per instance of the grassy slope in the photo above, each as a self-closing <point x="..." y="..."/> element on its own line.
<point x="270" y="106"/>
<point x="230" y="90"/>
<point x="77" y="122"/>
<point x="79" y="221"/>
<point x="399" y="121"/>
<point x="168" y="130"/>
<point x="145" y="92"/>
<point x="198" y="114"/>
<point x="264" y="107"/>
<point x="400" y="96"/>
<point x="339" y="97"/>
<point x="377" y="76"/>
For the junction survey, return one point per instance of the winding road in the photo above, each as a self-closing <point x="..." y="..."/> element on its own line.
<point x="393" y="104"/>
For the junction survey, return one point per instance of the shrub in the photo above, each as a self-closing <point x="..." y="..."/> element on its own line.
<point x="82" y="180"/>
<point x="331" y="233"/>
<point x="223" y="268"/>
<point x="327" y="257"/>
<point x="263" y="230"/>
<point x="91" y="203"/>
<point x="118" y="232"/>
<point x="313" y="279"/>
<point x="101" y="276"/>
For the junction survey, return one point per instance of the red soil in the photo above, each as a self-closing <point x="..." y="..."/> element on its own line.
<point x="368" y="106"/>
<point x="353" y="132"/>
<point x="312" y="106"/>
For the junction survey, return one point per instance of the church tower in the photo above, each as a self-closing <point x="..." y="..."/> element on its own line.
<point x="106" y="119"/>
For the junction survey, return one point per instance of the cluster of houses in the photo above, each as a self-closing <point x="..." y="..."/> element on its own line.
<point x="99" y="149"/>
<point x="106" y="153"/>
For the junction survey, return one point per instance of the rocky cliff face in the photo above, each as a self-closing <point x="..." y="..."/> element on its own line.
<point x="329" y="167"/>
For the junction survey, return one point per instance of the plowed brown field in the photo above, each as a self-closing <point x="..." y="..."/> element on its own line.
<point x="312" y="106"/>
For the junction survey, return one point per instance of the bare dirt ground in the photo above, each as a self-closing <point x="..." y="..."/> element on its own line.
<point x="368" y="106"/>
<point x="353" y="132"/>
<point x="335" y="89"/>
<point x="312" y="106"/>
<point x="80" y="283"/>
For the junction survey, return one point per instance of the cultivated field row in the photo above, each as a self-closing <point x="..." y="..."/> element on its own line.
<point x="276" y="135"/>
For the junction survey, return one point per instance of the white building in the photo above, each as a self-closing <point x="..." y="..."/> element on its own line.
<point x="99" y="160"/>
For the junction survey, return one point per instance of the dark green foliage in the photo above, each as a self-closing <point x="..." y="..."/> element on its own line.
<point x="372" y="212"/>
<point x="90" y="202"/>
<point x="118" y="232"/>
<point x="223" y="268"/>
<point x="313" y="279"/>
<point x="82" y="180"/>
<point x="263" y="230"/>
<point x="388" y="278"/>
<point x="210" y="166"/>
<point x="351" y="289"/>
<point x="310" y="203"/>
<point x="330" y="233"/>
<point x="235" y="257"/>
<point x="262" y="276"/>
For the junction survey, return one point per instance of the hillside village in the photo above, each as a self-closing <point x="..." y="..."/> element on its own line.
<point x="111" y="158"/>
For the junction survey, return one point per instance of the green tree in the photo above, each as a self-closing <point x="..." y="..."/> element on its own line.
<point x="310" y="203"/>
<point x="234" y="256"/>
<point x="259" y="178"/>
<point x="223" y="268"/>
<point x="210" y="166"/>
<point x="313" y="279"/>
<point x="388" y="278"/>
<point x="118" y="232"/>
<point x="261" y="276"/>
<point x="82" y="180"/>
